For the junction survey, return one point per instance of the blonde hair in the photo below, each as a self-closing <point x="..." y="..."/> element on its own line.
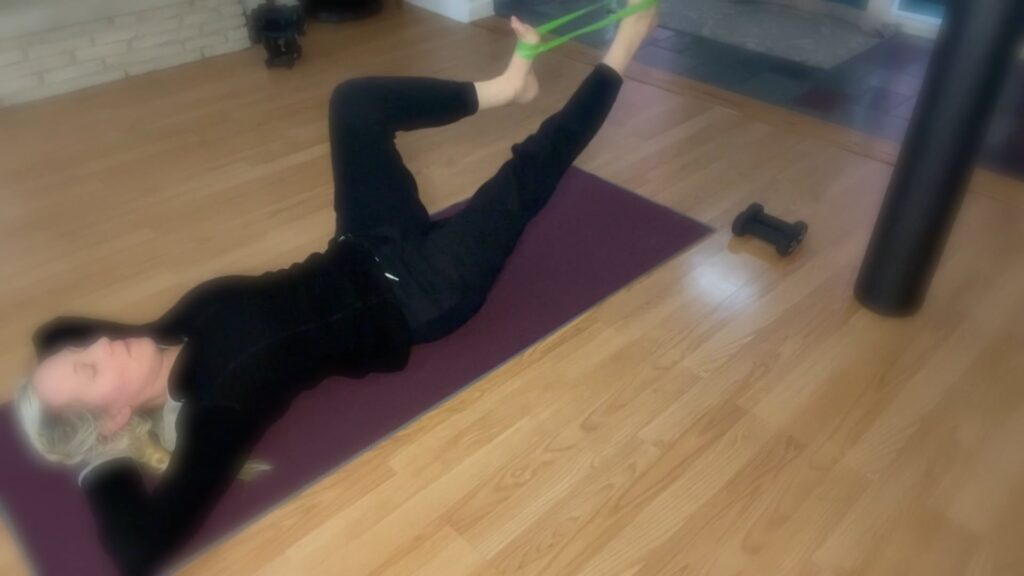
<point x="72" y="436"/>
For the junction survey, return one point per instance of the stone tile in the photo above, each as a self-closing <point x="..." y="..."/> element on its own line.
<point x="894" y="81"/>
<point x="660" y="33"/>
<point x="730" y="74"/>
<point x="899" y="54"/>
<point x="869" y="122"/>
<point x="891" y="127"/>
<point x="881" y="100"/>
<point x="709" y="50"/>
<point x="918" y="70"/>
<point x="775" y="88"/>
<point x="789" y="69"/>
<point x="822" y="99"/>
<point x="845" y="80"/>
<point x="867" y="75"/>
<point x="675" y="43"/>
<point x="667" y="60"/>
<point x="905" y="110"/>
<point x="851" y="116"/>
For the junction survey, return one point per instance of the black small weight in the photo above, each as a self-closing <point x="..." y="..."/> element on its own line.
<point x="785" y="236"/>
<point x="739" y="224"/>
<point x="773" y="236"/>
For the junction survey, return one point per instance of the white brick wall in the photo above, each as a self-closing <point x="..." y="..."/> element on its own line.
<point x="18" y="84"/>
<point x="11" y="57"/>
<point x="148" y="35"/>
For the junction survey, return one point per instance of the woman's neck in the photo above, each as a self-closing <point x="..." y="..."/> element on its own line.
<point x="157" y="395"/>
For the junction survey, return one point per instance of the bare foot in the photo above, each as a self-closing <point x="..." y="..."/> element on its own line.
<point x="520" y="73"/>
<point x="528" y="90"/>
<point x="630" y="35"/>
<point x="640" y="24"/>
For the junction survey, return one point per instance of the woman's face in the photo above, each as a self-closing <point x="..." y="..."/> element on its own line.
<point x="104" y="376"/>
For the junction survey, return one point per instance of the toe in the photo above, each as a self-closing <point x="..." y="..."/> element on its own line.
<point x="525" y="32"/>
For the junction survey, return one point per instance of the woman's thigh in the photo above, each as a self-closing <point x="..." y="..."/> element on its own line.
<point x="453" y="263"/>
<point x="375" y="194"/>
<point x="434" y="296"/>
<point x="450" y="269"/>
<point x="469" y="248"/>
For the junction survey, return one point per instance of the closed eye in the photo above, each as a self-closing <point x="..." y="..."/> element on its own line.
<point x="81" y="367"/>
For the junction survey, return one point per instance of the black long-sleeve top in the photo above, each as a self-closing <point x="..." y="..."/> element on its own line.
<point x="250" y="345"/>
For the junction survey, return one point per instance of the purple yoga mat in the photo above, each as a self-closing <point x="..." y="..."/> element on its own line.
<point x="592" y="239"/>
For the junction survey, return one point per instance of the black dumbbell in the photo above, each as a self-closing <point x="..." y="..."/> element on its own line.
<point x="784" y="235"/>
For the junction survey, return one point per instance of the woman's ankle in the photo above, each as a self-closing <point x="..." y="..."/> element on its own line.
<point x="618" y="57"/>
<point x="611" y="72"/>
<point x="492" y="93"/>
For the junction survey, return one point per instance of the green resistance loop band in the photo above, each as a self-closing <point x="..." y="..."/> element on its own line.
<point x="530" y="51"/>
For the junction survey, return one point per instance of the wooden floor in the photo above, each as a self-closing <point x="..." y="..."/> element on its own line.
<point x="729" y="413"/>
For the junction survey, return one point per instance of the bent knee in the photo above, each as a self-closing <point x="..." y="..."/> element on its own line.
<point x="352" y="100"/>
<point x="538" y="164"/>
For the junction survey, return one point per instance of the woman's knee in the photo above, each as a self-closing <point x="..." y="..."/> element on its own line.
<point x="538" y="166"/>
<point x="351" y="100"/>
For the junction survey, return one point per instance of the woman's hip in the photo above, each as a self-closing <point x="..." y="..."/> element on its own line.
<point x="436" y="294"/>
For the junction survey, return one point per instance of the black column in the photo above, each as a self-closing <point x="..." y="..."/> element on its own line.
<point x="976" y="46"/>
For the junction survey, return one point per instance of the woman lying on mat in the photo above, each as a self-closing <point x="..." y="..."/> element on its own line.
<point x="213" y="372"/>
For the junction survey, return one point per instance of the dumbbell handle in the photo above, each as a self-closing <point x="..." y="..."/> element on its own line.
<point x="768" y="233"/>
<point x="765" y="220"/>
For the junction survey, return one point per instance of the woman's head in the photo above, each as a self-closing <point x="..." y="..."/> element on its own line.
<point x="97" y="398"/>
<point x="82" y="403"/>
<point x="111" y="379"/>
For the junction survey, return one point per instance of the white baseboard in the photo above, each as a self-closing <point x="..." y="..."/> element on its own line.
<point x="459" y="10"/>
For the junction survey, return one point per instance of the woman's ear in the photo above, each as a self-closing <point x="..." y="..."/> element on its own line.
<point x="114" y="421"/>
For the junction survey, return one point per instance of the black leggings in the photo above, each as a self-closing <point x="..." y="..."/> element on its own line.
<point x="445" y="268"/>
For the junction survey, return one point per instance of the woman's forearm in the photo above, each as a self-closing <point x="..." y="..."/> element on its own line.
<point x="140" y="529"/>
